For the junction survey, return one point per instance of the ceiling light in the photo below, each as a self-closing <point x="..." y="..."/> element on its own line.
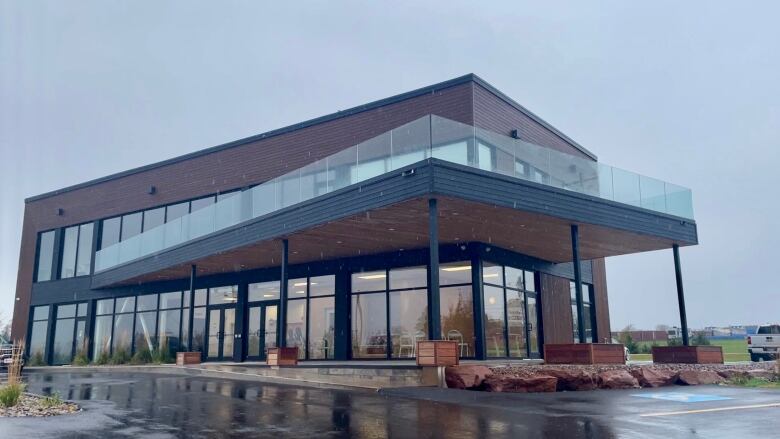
<point x="460" y="268"/>
<point x="299" y="284"/>
<point x="492" y="300"/>
<point x="268" y="295"/>
<point x="372" y="276"/>
<point x="391" y="229"/>
<point x="490" y="275"/>
<point x="300" y="292"/>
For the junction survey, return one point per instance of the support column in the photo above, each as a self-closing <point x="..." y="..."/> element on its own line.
<point x="434" y="314"/>
<point x="193" y="270"/>
<point x="680" y="295"/>
<point x="239" y="342"/>
<point x="341" y="340"/>
<point x="575" y="252"/>
<point x="282" y="317"/>
<point x="479" y="306"/>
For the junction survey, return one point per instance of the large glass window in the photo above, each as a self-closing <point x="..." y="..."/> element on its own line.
<point x="76" y="251"/>
<point x="145" y="336"/>
<point x="296" y="325"/>
<point x="63" y="341"/>
<point x="37" y="344"/>
<point x="175" y="211"/>
<point x="45" y="256"/>
<point x="154" y="218"/>
<point x="111" y="231"/>
<point x="102" y="332"/>
<point x="122" y="342"/>
<point x="69" y="246"/>
<point x="369" y="325"/>
<point x="222" y="295"/>
<point x="131" y="225"/>
<point x="402" y="294"/>
<point x="84" y="254"/>
<point x="495" y="339"/>
<point x="510" y="311"/>
<point x="588" y="314"/>
<point x="408" y="321"/>
<point x="200" y="203"/>
<point x="457" y="317"/>
<point x="310" y="314"/>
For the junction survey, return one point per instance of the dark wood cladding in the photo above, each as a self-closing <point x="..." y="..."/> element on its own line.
<point x="603" y="326"/>
<point x="495" y="114"/>
<point x="556" y="309"/>
<point x="236" y="167"/>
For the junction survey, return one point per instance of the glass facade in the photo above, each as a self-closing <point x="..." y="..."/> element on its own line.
<point x="589" y="314"/>
<point x="76" y="256"/>
<point x="387" y="314"/>
<point x="311" y="316"/>
<point x="389" y="302"/>
<point x="509" y="296"/>
<point x="40" y="326"/>
<point x="45" y="256"/>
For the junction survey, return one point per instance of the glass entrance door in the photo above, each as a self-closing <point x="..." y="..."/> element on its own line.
<point x="221" y="332"/>
<point x="263" y="330"/>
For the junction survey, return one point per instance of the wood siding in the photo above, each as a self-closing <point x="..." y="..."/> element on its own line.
<point x="556" y="310"/>
<point x="603" y="326"/>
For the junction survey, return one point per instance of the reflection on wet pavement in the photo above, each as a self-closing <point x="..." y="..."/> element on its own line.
<point x="173" y="406"/>
<point x="156" y="405"/>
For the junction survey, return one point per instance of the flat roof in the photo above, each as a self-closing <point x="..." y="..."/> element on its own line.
<point x="471" y="77"/>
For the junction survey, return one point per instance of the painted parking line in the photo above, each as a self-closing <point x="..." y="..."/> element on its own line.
<point x="681" y="397"/>
<point x="718" y="409"/>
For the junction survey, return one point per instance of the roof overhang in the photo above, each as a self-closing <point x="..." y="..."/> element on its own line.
<point x="390" y="213"/>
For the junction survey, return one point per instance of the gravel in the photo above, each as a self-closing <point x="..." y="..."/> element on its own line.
<point x="31" y="405"/>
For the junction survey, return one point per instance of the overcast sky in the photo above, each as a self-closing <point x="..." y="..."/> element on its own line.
<point x="688" y="92"/>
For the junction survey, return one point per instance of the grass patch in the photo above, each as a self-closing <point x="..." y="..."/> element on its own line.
<point x="733" y="349"/>
<point x="50" y="401"/>
<point x="10" y="393"/>
<point x="754" y="382"/>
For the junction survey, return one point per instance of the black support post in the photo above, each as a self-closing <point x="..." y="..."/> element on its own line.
<point x="282" y="317"/>
<point x="479" y="306"/>
<point x="434" y="315"/>
<point x="191" y="310"/>
<point x="239" y="342"/>
<point x="680" y="295"/>
<point x="575" y="252"/>
<point x="341" y="328"/>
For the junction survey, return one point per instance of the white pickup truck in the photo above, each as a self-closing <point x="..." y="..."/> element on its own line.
<point x="765" y="343"/>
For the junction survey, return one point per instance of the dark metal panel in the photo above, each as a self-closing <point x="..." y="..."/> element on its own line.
<point x="491" y="188"/>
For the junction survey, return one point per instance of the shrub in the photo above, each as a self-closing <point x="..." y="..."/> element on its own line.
<point x="103" y="358"/>
<point x="163" y="354"/>
<point x="699" y="339"/>
<point x="674" y="342"/>
<point x="50" y="401"/>
<point x="10" y="393"/>
<point x="36" y="359"/>
<point x="120" y="356"/>
<point x="142" y="356"/>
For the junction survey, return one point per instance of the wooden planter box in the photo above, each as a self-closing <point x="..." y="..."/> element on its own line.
<point x="688" y="354"/>
<point x="437" y="353"/>
<point x="584" y="353"/>
<point x="282" y="356"/>
<point x="185" y="358"/>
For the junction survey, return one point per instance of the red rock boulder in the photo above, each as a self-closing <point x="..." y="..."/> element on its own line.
<point x="573" y="379"/>
<point x="652" y="377"/>
<point x="617" y="379"/>
<point x="696" y="377"/>
<point x="466" y="377"/>
<point x="520" y="384"/>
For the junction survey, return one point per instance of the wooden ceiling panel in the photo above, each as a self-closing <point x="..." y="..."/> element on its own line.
<point x="404" y="226"/>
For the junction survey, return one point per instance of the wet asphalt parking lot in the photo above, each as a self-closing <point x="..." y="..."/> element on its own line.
<point x="162" y="406"/>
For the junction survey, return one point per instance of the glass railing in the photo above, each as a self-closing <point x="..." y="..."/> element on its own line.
<point x="429" y="136"/>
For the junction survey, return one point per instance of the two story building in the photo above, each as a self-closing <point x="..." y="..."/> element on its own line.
<point x="448" y="212"/>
